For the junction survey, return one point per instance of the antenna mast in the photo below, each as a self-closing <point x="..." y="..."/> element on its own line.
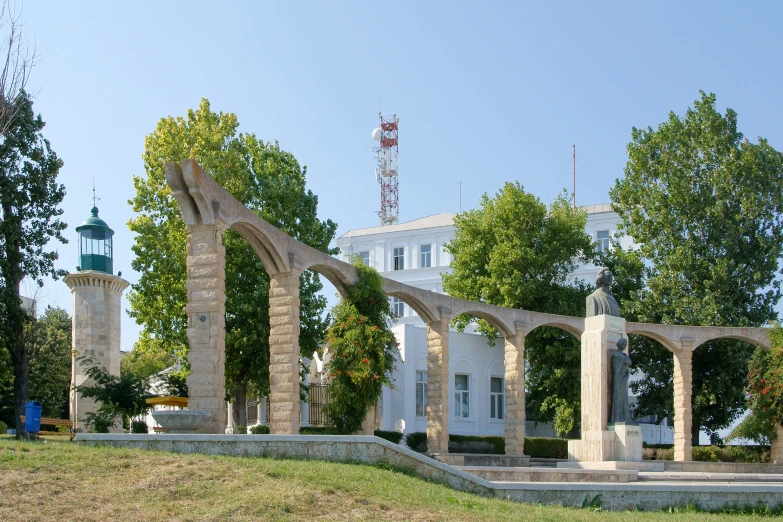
<point x="574" y="158"/>
<point x="386" y="171"/>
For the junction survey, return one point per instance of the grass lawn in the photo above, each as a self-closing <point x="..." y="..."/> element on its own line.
<point x="62" y="480"/>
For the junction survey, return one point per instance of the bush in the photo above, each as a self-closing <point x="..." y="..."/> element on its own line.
<point x="417" y="441"/>
<point x="537" y="447"/>
<point x="317" y="430"/>
<point x="658" y="453"/>
<point x="139" y="426"/>
<point x="260" y="429"/>
<point x="240" y="430"/>
<point x="392" y="436"/>
<point x="546" y="448"/>
<point x="3" y="428"/>
<point x="744" y="454"/>
<point x="481" y="444"/>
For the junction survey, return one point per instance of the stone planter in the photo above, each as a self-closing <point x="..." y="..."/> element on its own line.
<point x="181" y="421"/>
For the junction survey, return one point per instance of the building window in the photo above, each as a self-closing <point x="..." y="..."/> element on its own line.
<point x="421" y="394"/>
<point x="398" y="307"/>
<point x="365" y="255"/>
<point x="399" y="258"/>
<point x="603" y="240"/>
<point x="426" y="256"/>
<point x="461" y="396"/>
<point x="497" y="398"/>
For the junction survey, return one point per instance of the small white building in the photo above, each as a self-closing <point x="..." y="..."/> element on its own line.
<point x="413" y="253"/>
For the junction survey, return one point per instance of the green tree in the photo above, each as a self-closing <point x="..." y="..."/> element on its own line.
<point x="703" y="205"/>
<point x="515" y="252"/>
<point x="30" y="199"/>
<point x="49" y="345"/>
<point x="765" y="392"/>
<point x="148" y="357"/>
<point x="267" y="180"/>
<point x="120" y="397"/>
<point x="363" y="351"/>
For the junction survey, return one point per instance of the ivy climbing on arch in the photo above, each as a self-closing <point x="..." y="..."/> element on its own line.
<point x="363" y="351"/>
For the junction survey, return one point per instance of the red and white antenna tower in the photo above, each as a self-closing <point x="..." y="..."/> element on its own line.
<point x="386" y="171"/>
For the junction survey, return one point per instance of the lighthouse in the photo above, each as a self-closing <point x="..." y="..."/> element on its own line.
<point x="97" y="306"/>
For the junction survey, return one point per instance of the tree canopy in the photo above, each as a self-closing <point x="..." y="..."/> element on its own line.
<point x="266" y="179"/>
<point x="703" y="205"/>
<point x="513" y="251"/>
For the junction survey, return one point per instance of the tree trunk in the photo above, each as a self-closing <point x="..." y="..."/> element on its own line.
<point x="695" y="429"/>
<point x="14" y="328"/>
<point x="240" y="405"/>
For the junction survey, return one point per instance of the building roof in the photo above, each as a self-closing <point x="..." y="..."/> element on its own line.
<point x="597" y="209"/>
<point x="436" y="220"/>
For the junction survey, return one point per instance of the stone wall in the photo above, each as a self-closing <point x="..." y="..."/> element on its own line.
<point x="613" y="496"/>
<point x="95" y="330"/>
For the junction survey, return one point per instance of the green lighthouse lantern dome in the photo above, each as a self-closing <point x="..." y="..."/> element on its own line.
<point x="95" y="244"/>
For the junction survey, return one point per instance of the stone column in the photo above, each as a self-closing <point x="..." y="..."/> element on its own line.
<point x="515" y="393"/>
<point x="438" y="385"/>
<point x="683" y="389"/>
<point x="206" y="309"/>
<point x="95" y="333"/>
<point x="776" y="452"/>
<point x="284" y="353"/>
<point x="368" y="424"/>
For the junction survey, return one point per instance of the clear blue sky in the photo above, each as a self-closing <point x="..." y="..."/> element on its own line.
<point x="486" y="92"/>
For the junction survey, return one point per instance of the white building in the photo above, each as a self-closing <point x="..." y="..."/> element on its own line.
<point x="413" y="253"/>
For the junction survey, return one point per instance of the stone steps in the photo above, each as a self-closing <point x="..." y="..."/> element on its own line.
<point x="709" y="477"/>
<point x="527" y="474"/>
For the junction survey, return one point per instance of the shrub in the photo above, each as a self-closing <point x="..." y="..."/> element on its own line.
<point x="259" y="429"/>
<point x="658" y="453"/>
<point x="482" y="444"/>
<point x="744" y="454"/>
<point x="546" y="448"/>
<point x="364" y="351"/>
<point x="3" y="428"/>
<point x="317" y="430"/>
<point x="537" y="447"/>
<point x="395" y="437"/>
<point x="139" y="426"/>
<point x="417" y="441"/>
<point x="240" y="430"/>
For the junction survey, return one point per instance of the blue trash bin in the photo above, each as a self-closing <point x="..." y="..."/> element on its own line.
<point x="32" y="417"/>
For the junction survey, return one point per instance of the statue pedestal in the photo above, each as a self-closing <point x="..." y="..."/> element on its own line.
<point x="627" y="442"/>
<point x="598" y="442"/>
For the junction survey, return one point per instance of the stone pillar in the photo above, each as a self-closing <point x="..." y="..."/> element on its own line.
<point x="206" y="309"/>
<point x="95" y="332"/>
<point x="368" y="424"/>
<point x="683" y="390"/>
<point x="776" y="452"/>
<point x="260" y="411"/>
<point x="438" y="385"/>
<point x="515" y="393"/>
<point x="230" y="417"/>
<point x="284" y="353"/>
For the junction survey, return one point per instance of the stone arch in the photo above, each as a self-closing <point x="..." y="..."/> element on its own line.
<point x="271" y="258"/>
<point x="503" y="329"/>
<point x="416" y="304"/>
<point x="737" y="337"/>
<point x="567" y="328"/>
<point x="337" y="277"/>
<point x="664" y="341"/>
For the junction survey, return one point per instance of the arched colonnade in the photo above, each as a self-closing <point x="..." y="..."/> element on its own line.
<point x="208" y="211"/>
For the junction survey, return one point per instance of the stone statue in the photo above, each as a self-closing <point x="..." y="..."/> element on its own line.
<point x="601" y="302"/>
<point x="621" y="365"/>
